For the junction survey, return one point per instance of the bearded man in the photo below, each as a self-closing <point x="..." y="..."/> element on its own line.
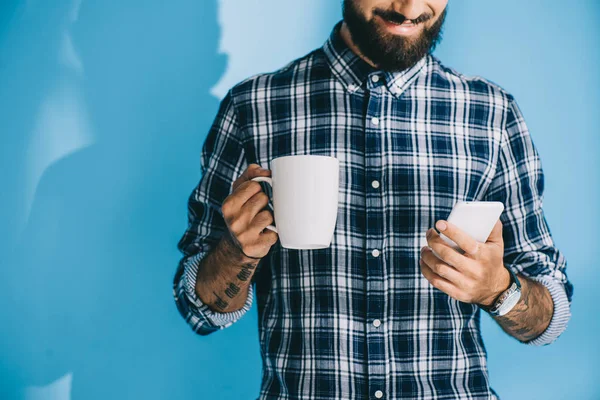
<point x="389" y="309"/>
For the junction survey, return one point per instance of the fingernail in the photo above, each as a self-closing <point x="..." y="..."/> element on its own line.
<point x="441" y="225"/>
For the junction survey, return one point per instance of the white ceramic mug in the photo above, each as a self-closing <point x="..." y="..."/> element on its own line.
<point x="305" y="199"/>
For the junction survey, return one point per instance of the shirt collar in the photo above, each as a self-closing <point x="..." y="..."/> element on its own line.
<point x="354" y="72"/>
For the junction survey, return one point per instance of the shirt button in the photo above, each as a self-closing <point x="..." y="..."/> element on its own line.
<point x="375" y="78"/>
<point x="375" y="253"/>
<point x="352" y="87"/>
<point x="375" y="184"/>
<point x="375" y="121"/>
<point x="376" y="323"/>
<point x="379" y="394"/>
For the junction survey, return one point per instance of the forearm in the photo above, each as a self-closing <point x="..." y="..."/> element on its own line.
<point x="224" y="276"/>
<point x="530" y="317"/>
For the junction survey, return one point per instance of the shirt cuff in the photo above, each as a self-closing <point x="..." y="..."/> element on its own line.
<point x="214" y="318"/>
<point x="561" y="314"/>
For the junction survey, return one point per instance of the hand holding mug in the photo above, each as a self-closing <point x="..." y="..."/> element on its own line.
<point x="245" y="216"/>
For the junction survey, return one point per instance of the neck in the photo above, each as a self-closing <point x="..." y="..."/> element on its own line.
<point x="345" y="33"/>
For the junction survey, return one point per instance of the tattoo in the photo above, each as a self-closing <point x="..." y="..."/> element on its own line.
<point x="246" y="272"/>
<point x="531" y="315"/>
<point x="232" y="290"/>
<point x="219" y="302"/>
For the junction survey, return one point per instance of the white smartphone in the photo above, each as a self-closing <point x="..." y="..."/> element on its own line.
<point x="476" y="218"/>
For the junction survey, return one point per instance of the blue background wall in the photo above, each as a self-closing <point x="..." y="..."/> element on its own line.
<point x="104" y="107"/>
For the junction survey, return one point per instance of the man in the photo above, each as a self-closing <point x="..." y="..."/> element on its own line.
<point x="388" y="310"/>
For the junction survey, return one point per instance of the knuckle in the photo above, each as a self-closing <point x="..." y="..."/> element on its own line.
<point x="264" y="217"/>
<point x="262" y="197"/>
<point x="441" y="269"/>
<point x="269" y="217"/>
<point x="253" y="169"/>
<point x="267" y="240"/>
<point x="474" y="248"/>
<point x="242" y="238"/>
<point x="249" y="185"/>
<point x="235" y="226"/>
<point x="253" y="186"/>
<point x="244" y="184"/>
<point x="424" y="258"/>
<point x="450" y="257"/>
<point x="240" y="187"/>
<point x="226" y="206"/>
<point x="444" y="253"/>
<point x="273" y="236"/>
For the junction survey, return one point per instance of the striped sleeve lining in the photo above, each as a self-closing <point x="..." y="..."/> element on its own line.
<point x="561" y="315"/>
<point x="215" y="319"/>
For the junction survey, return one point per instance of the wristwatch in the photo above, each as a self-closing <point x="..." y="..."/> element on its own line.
<point x="508" y="299"/>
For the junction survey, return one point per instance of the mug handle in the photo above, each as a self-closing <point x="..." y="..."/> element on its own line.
<point x="270" y="182"/>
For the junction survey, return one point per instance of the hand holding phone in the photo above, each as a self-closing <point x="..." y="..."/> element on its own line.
<point x="478" y="277"/>
<point x="476" y="218"/>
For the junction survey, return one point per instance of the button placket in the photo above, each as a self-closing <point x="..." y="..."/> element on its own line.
<point x="375" y="217"/>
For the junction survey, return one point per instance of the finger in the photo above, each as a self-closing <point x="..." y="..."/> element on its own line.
<point x="254" y="205"/>
<point x="269" y="237"/>
<point x="496" y="234"/>
<point x="252" y="171"/>
<point x="261" y="221"/>
<point x="446" y="253"/>
<point x="440" y="267"/>
<point x="244" y="177"/>
<point x="236" y="200"/>
<point x="460" y="237"/>
<point x="438" y="282"/>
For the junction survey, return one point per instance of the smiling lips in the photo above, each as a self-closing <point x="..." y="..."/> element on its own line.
<point x="407" y="27"/>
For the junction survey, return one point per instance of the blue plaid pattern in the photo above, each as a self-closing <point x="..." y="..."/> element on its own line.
<point x="358" y="319"/>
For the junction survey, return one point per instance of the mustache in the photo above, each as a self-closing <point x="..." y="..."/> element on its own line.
<point x="399" y="18"/>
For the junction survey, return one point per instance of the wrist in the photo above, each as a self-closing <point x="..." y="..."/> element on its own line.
<point x="232" y="253"/>
<point x="504" y="283"/>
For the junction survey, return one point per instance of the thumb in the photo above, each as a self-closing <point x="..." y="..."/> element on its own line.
<point x="496" y="234"/>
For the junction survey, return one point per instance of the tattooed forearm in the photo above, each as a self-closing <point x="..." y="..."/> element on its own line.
<point x="531" y="315"/>
<point x="224" y="277"/>
<point x="232" y="290"/>
<point x="220" y="303"/>
<point x="246" y="272"/>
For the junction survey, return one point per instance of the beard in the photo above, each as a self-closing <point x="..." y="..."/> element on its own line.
<point x="388" y="51"/>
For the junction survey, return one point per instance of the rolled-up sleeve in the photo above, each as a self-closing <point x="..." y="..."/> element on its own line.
<point x="529" y="248"/>
<point x="222" y="161"/>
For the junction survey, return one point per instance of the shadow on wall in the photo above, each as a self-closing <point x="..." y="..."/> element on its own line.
<point x="87" y="283"/>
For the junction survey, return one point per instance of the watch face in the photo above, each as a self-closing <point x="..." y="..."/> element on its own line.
<point x="509" y="302"/>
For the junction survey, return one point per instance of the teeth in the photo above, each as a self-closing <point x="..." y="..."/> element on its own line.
<point x="404" y="23"/>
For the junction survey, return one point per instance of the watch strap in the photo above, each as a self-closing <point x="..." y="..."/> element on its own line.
<point x="515" y="286"/>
